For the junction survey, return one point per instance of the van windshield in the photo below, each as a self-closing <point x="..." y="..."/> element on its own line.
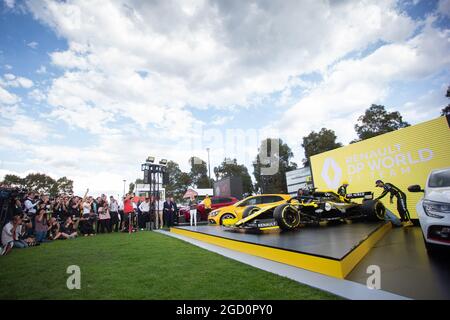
<point x="439" y="179"/>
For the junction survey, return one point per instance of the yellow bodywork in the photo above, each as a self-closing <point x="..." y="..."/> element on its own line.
<point x="270" y="206"/>
<point x="236" y="210"/>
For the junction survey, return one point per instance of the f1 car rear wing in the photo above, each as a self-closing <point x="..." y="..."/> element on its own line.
<point x="368" y="195"/>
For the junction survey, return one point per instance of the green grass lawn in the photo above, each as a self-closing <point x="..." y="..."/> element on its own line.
<point x="145" y="265"/>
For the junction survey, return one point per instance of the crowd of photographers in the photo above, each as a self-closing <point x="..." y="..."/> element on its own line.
<point x="37" y="218"/>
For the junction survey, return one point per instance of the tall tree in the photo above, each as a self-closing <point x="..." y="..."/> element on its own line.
<point x="40" y="182"/>
<point x="230" y="168"/>
<point x="12" y="180"/>
<point x="446" y="110"/>
<point x="199" y="173"/>
<point x="281" y="156"/>
<point x="178" y="181"/>
<point x="318" y="142"/>
<point x="64" y="185"/>
<point x="131" y="187"/>
<point x="376" y="120"/>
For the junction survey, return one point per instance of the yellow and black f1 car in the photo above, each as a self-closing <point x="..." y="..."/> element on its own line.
<point x="310" y="208"/>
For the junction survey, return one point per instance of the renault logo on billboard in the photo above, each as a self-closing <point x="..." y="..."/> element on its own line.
<point x="330" y="166"/>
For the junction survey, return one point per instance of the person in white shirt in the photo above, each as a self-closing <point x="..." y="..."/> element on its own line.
<point x="144" y="207"/>
<point x="114" y="212"/>
<point x="193" y="210"/>
<point x="121" y="213"/>
<point x="10" y="235"/>
<point x="30" y="206"/>
<point x="87" y="206"/>
<point x="159" y="206"/>
<point x="30" y="203"/>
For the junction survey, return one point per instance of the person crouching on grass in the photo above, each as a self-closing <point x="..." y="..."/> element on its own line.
<point x="53" y="229"/>
<point x="86" y="224"/>
<point x="10" y="236"/>
<point x="68" y="229"/>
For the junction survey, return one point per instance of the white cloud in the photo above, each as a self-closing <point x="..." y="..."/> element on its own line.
<point x="18" y="123"/>
<point x="352" y="85"/>
<point x="208" y="55"/>
<point x="37" y="95"/>
<point x="10" y="80"/>
<point x="7" y="97"/>
<point x="33" y="44"/>
<point x="444" y="7"/>
<point x="41" y="70"/>
<point x="9" y="3"/>
<point x="426" y="106"/>
<point x="9" y="76"/>
<point x="7" y="67"/>
<point x="220" y="120"/>
<point x="135" y="89"/>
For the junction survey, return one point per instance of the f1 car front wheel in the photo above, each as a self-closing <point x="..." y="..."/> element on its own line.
<point x="287" y="216"/>
<point x="249" y="210"/>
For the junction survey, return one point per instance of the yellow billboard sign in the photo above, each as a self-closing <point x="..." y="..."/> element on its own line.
<point x="403" y="158"/>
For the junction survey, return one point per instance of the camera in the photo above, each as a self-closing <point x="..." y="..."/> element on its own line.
<point x="7" y="193"/>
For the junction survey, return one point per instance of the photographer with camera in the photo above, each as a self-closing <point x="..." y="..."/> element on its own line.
<point x="104" y="218"/>
<point x="59" y="210"/>
<point x="11" y="233"/>
<point x="68" y="229"/>
<point x="53" y="229"/>
<point x="41" y="226"/>
<point x="30" y="206"/>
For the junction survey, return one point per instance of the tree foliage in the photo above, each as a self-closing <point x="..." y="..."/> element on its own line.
<point x="230" y="168"/>
<point x="275" y="183"/>
<point x="318" y="142"/>
<point x="40" y="182"/>
<point x="178" y="181"/>
<point x="376" y="120"/>
<point x="199" y="173"/>
<point x="12" y="180"/>
<point x="131" y="187"/>
<point x="446" y="110"/>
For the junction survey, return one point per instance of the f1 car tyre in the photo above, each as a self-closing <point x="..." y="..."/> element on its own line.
<point x="226" y="216"/>
<point x="374" y="210"/>
<point x="287" y="216"/>
<point x="249" y="210"/>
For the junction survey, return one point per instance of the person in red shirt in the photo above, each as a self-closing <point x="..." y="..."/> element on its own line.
<point x="128" y="211"/>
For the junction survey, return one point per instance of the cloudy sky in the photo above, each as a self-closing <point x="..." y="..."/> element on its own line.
<point x="89" y="89"/>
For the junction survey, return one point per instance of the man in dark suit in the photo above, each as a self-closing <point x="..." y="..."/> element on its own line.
<point x="166" y="212"/>
<point x="174" y="211"/>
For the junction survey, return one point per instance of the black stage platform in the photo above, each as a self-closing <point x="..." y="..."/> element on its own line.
<point x="331" y="242"/>
<point x="406" y="268"/>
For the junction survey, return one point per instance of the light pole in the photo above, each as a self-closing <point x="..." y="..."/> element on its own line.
<point x="154" y="174"/>
<point x="124" y="182"/>
<point x="209" y="169"/>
